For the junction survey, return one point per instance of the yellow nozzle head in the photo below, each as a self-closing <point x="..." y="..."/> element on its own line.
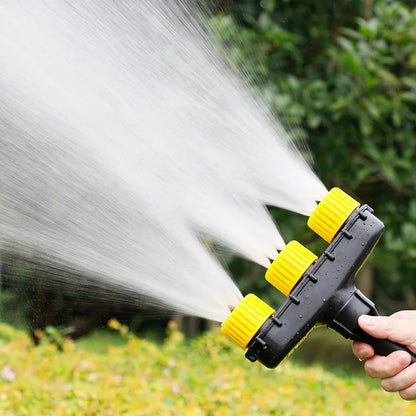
<point x="246" y="319"/>
<point x="289" y="266"/>
<point x="331" y="213"/>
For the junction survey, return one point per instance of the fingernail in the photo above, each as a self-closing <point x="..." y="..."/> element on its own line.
<point x="404" y="359"/>
<point x="367" y="320"/>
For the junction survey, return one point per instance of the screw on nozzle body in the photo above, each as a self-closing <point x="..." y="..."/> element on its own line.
<point x="289" y="266"/>
<point x="246" y="319"/>
<point x="331" y="213"/>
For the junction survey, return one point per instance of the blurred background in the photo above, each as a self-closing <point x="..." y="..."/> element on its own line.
<point x="341" y="77"/>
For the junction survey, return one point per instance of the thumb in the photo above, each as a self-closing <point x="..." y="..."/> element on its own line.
<point x="402" y="331"/>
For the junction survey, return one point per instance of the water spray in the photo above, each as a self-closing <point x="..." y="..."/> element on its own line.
<point x="321" y="291"/>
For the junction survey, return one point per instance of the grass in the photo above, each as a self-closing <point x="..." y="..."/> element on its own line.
<point x="100" y="341"/>
<point x="205" y="376"/>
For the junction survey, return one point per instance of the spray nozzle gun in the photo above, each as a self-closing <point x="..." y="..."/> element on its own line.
<point x="321" y="291"/>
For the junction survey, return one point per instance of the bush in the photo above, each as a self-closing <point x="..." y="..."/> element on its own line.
<point x="345" y="72"/>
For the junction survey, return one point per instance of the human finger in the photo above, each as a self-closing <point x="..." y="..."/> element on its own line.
<point x="385" y="327"/>
<point x="385" y="367"/>
<point x="362" y="350"/>
<point x="401" y="381"/>
<point x="409" y="393"/>
<point x="410" y="314"/>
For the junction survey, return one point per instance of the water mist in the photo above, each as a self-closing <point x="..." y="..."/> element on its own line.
<point x="126" y="142"/>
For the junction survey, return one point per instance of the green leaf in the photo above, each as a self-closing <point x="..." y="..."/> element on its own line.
<point x="353" y="62"/>
<point x="368" y="28"/>
<point x="365" y="172"/>
<point x="366" y="125"/>
<point x="269" y="5"/>
<point x="313" y="120"/>
<point x="372" y="150"/>
<point x="409" y="232"/>
<point x="408" y="96"/>
<point x="409" y="82"/>
<point x="397" y="117"/>
<point x="412" y="210"/>
<point x="371" y="108"/>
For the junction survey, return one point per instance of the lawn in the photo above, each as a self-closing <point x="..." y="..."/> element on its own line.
<point x="204" y="376"/>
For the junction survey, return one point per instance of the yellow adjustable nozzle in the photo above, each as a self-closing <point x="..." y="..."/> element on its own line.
<point x="246" y="319"/>
<point x="331" y="213"/>
<point x="289" y="266"/>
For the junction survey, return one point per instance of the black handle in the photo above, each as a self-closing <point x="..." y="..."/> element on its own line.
<point x="385" y="346"/>
<point x="346" y="322"/>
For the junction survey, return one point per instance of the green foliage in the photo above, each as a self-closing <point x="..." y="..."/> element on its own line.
<point x="208" y="376"/>
<point x="98" y="341"/>
<point x="54" y="335"/>
<point x="345" y="72"/>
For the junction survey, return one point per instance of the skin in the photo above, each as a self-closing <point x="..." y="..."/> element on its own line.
<point x="394" y="371"/>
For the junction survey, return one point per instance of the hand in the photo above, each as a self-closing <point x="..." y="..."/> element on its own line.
<point x="393" y="370"/>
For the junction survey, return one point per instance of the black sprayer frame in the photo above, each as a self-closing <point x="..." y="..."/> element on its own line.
<point x="326" y="295"/>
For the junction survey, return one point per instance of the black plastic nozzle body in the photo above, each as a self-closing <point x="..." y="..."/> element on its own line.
<point x="326" y="295"/>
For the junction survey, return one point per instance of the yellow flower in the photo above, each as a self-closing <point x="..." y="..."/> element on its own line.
<point x="114" y="324"/>
<point x="39" y="334"/>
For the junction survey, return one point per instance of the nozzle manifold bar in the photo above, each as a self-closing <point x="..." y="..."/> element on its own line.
<point x="320" y="290"/>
